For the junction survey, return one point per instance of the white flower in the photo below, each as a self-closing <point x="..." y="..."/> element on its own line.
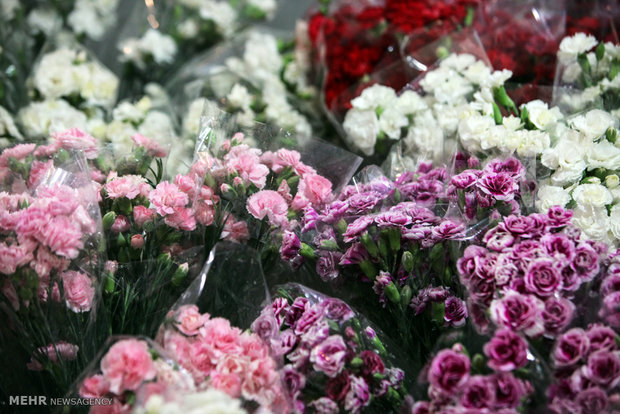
<point x="612" y="181"/>
<point x="40" y="119"/>
<point x="471" y="129"/>
<point x="458" y="62"/>
<point x="261" y="58"/>
<point x="222" y="14"/>
<point x="540" y="115"/>
<point x="239" y="97"/>
<point x="97" y="128"/>
<point x="596" y="195"/>
<point x="362" y="128"/>
<point x="54" y="76"/>
<point x="571" y="72"/>
<point x="551" y="195"/>
<point x="84" y="19"/>
<point x="45" y="21"/>
<point x="446" y="85"/>
<point x="189" y="28"/>
<point x="593" y="124"/>
<point x="126" y="111"/>
<point x="7" y="125"/>
<point x="614" y="220"/>
<point x="100" y="86"/>
<point x="119" y="134"/>
<point x="267" y="6"/>
<point x="424" y="138"/>
<point x="211" y="401"/>
<point x="571" y="46"/>
<point x="191" y="121"/>
<point x="391" y="121"/>
<point x="373" y="97"/>
<point x="532" y="143"/>
<point x="410" y="102"/>
<point x="8" y="8"/>
<point x="593" y="221"/>
<point x="158" y="126"/>
<point x="567" y="159"/>
<point x="161" y="46"/>
<point x="603" y="154"/>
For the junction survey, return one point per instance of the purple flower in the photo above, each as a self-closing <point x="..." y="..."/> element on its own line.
<point x="421" y="407"/>
<point x="558" y="245"/>
<point x="505" y="270"/>
<point x="295" y="311"/>
<point x="448" y="229"/>
<point x="392" y="219"/>
<point x="506" y="351"/>
<point x="358" y="395"/>
<point x="337" y="310"/>
<point x="309" y="220"/>
<point x="455" y="312"/>
<point x="293" y="380"/>
<point x="466" y="265"/>
<point x="329" y="356"/>
<point x="465" y="179"/>
<point x="355" y="229"/>
<point x="610" y="284"/>
<point x="364" y="202"/>
<point x="370" y="332"/>
<point x="327" y="235"/>
<point x="418" y="214"/>
<point x="570" y="279"/>
<point x="266" y="326"/>
<point x="510" y="165"/>
<point x="570" y="347"/>
<point x="299" y="357"/>
<point x="395" y="376"/>
<point x="327" y="266"/>
<point x="333" y="212"/>
<point x="356" y="254"/>
<point x="603" y="368"/>
<point x="518" y="225"/>
<point x="449" y="371"/>
<point x="610" y="309"/>
<point x="500" y="186"/>
<point x="498" y="238"/>
<point x="285" y="343"/>
<point x="418" y="232"/>
<point x="508" y="390"/>
<point x="372" y="364"/>
<point x="279" y="307"/>
<point x="479" y="392"/>
<point x="486" y="266"/>
<point x="592" y="400"/>
<point x="310" y="316"/>
<point x="290" y="246"/>
<point x="315" y="334"/>
<point x="324" y="405"/>
<point x="337" y="388"/>
<point x="542" y="277"/>
<point x="558" y="217"/>
<point x="601" y="337"/>
<point x="586" y="261"/>
<point x="482" y="290"/>
<point x="519" y="313"/>
<point x="557" y="315"/>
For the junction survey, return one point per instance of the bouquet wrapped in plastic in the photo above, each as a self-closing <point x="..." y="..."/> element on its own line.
<point x="334" y="360"/>
<point x="51" y="243"/>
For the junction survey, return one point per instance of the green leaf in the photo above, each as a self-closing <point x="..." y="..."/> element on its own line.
<point x="600" y="51"/>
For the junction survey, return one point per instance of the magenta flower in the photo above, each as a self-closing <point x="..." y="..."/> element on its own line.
<point x="603" y="368"/>
<point x="289" y="249"/>
<point x="570" y="347"/>
<point x="601" y="337"/>
<point x="355" y="229"/>
<point x="324" y="405"/>
<point x="455" y="312"/>
<point x="506" y="351"/>
<point x="508" y="390"/>
<point x="518" y="312"/>
<point x="557" y="315"/>
<point x="500" y="186"/>
<point x="478" y="393"/>
<point x="543" y="278"/>
<point x="449" y="371"/>
<point x="358" y="395"/>
<point x="329" y="356"/>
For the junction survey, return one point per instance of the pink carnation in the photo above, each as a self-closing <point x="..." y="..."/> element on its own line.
<point x="143" y="214"/>
<point x="38" y="171"/>
<point x="249" y="168"/>
<point x="51" y="352"/>
<point x="79" y="291"/>
<point x="94" y="387"/>
<point x="189" y="320"/>
<point x="76" y="139"/>
<point x="166" y="197"/>
<point x="235" y="231"/>
<point x="182" y="218"/>
<point x="13" y="257"/>
<point x="152" y="148"/>
<point x="268" y="203"/>
<point x="128" y="186"/>
<point x="127" y="364"/>
<point x="315" y="188"/>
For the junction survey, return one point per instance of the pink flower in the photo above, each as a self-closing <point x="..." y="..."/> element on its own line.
<point x="235" y="231"/>
<point x="218" y="333"/>
<point x="189" y="320"/>
<point x="358" y="395"/>
<point x="260" y="381"/>
<point x="62" y="237"/>
<point x="166" y="197"/>
<point x="79" y="291"/>
<point x="227" y="382"/>
<point x="46" y="261"/>
<point x="128" y="186"/>
<point x="52" y="352"/>
<point x="76" y="139"/>
<point x="121" y="224"/>
<point x="152" y="148"/>
<point x="268" y="203"/>
<point x="137" y="241"/>
<point x="38" y="171"/>
<point x="13" y="257"/>
<point x="329" y="356"/>
<point x="570" y="347"/>
<point x="315" y="188"/>
<point x="519" y="313"/>
<point x="542" y="277"/>
<point x="94" y="387"/>
<point x="143" y="214"/>
<point x="249" y="168"/>
<point x="19" y="152"/>
<point x="127" y="365"/>
<point x="182" y="218"/>
<point x="506" y="351"/>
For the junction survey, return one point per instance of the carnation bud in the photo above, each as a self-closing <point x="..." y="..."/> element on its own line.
<point x="394" y="238"/>
<point x="108" y="220"/>
<point x="396" y="196"/>
<point x="600" y="51"/>
<point x="164" y="258"/>
<point x="137" y="241"/>
<point x="109" y="283"/>
<point x="405" y="296"/>
<point x="407" y="260"/>
<point x="179" y="274"/>
<point x="379" y="345"/>
<point x="357" y="362"/>
<point x="368" y="268"/>
<point x="383" y="248"/>
<point x="307" y="252"/>
<point x="591" y="180"/>
<point x="612" y="181"/>
<point x="121" y="241"/>
<point x="370" y="245"/>
<point x="209" y="181"/>
<point x="477" y="363"/>
<point x="391" y="292"/>
<point x="341" y="226"/>
<point x="329" y="244"/>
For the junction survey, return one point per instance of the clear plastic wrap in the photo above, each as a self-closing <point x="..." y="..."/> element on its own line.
<point x="52" y="253"/>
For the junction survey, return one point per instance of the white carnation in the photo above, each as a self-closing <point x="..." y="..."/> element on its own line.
<point x="126" y="111"/>
<point x="40" y="119"/>
<point x="191" y="121"/>
<point x="45" y="21"/>
<point x="593" y="221"/>
<point x="239" y="97"/>
<point x="614" y="220"/>
<point x="84" y="19"/>
<point x="391" y="121"/>
<point x="540" y="115"/>
<point x="603" y="154"/>
<point x="161" y="46"/>
<point x="222" y="14"/>
<point x="458" y="62"/>
<point x="362" y="128"/>
<point x="7" y="125"/>
<point x="593" y="124"/>
<point x="55" y="76"/>
<point x="373" y="97"/>
<point x="596" y="195"/>
<point x="551" y="195"/>
<point x="532" y="143"/>
<point x="572" y="46"/>
<point x="471" y="129"/>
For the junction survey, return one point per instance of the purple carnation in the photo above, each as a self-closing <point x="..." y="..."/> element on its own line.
<point x="332" y="213"/>
<point x="592" y="400"/>
<point x="290" y="246"/>
<point x="500" y="186"/>
<point x="392" y="219"/>
<point x="570" y="347"/>
<point x="310" y="316"/>
<point x="355" y="254"/>
<point x="359" y="226"/>
<point x="358" y="395"/>
<point x="316" y="333"/>
<point x="324" y="405"/>
<point x="285" y="343"/>
<point x="448" y="229"/>
<point x="293" y="380"/>
<point x="586" y="261"/>
<point x="455" y="312"/>
<point x="518" y="312"/>
<point x="266" y="326"/>
<point x="465" y="179"/>
<point x="498" y="238"/>
<point x="449" y="371"/>
<point x="327" y="266"/>
<point x="558" y="217"/>
<point x="603" y="368"/>
<point x="337" y="310"/>
<point x="479" y="393"/>
<point x="364" y="202"/>
<point x="557" y="315"/>
<point x="506" y="351"/>
<point x="309" y="220"/>
<point x="542" y="278"/>
<point x="508" y="390"/>
<point x="601" y="337"/>
<point x="295" y="311"/>
<point x="329" y="356"/>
